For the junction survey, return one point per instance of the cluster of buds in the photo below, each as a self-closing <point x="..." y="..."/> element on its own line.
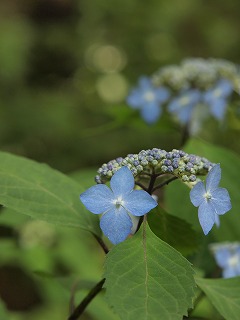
<point x="157" y="161"/>
<point x="198" y="73"/>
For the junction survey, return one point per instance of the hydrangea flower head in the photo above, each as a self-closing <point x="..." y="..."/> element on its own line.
<point x="217" y="96"/>
<point x="211" y="200"/>
<point x="118" y="204"/>
<point x="183" y="105"/>
<point x="148" y="99"/>
<point x="227" y="256"/>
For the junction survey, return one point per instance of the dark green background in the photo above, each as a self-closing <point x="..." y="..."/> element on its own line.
<point x="66" y="68"/>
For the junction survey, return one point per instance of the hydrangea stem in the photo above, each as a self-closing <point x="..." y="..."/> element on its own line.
<point x="151" y="183"/>
<point x="85" y="302"/>
<point x="102" y="243"/>
<point x="164" y="183"/>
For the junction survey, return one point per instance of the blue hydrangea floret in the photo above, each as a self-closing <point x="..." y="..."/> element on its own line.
<point x="227" y="256"/>
<point x="183" y="105"/>
<point x="217" y="98"/>
<point x="148" y="99"/>
<point x="117" y="204"/>
<point x="211" y="199"/>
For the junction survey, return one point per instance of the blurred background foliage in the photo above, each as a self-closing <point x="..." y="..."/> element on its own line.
<point x="66" y="67"/>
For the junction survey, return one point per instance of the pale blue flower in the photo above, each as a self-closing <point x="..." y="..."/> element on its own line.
<point x="227" y="257"/>
<point x="148" y="99"/>
<point x="217" y="98"/>
<point x="118" y="204"/>
<point x="211" y="200"/>
<point x="182" y="106"/>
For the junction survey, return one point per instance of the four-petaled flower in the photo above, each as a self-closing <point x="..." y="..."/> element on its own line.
<point x="212" y="200"/>
<point x="183" y="105"/>
<point x="216" y="98"/>
<point x="148" y="99"/>
<point x="118" y="204"/>
<point x="227" y="257"/>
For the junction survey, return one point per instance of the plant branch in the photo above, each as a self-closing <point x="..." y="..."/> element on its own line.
<point x="102" y="243"/>
<point x="141" y="185"/>
<point x="85" y="302"/>
<point x="151" y="183"/>
<point x="164" y="183"/>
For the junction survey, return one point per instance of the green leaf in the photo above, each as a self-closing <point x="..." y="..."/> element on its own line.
<point x="148" y="279"/>
<point x="177" y="202"/>
<point x="41" y="192"/>
<point x="224" y="295"/>
<point x="173" y="230"/>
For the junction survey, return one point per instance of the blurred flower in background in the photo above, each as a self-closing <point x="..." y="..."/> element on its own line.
<point x="148" y="99"/>
<point x="191" y="92"/>
<point x="217" y="98"/>
<point x="182" y="106"/>
<point x="227" y="256"/>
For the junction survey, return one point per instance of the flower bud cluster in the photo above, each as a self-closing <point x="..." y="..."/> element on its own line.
<point x="176" y="162"/>
<point x="199" y="73"/>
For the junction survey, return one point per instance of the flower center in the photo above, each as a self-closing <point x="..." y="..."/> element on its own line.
<point x="217" y="93"/>
<point x="234" y="261"/>
<point x="207" y="196"/>
<point x="118" y="202"/>
<point x="149" y="96"/>
<point x="184" y="101"/>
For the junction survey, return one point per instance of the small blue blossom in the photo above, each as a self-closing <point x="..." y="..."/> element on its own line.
<point x="118" y="204"/>
<point x="184" y="104"/>
<point x="211" y="200"/>
<point x="148" y="99"/>
<point x="227" y="257"/>
<point x="217" y="98"/>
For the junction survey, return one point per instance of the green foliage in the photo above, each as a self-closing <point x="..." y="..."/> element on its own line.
<point x="43" y="193"/>
<point x="224" y="295"/>
<point x="148" y="279"/>
<point x="59" y="261"/>
<point x="173" y="230"/>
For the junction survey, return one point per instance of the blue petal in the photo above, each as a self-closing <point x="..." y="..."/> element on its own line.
<point x="116" y="225"/>
<point x="139" y="202"/>
<point x="151" y="112"/>
<point x="145" y="83"/>
<point x="185" y="113"/>
<point x="218" y="108"/>
<point x="197" y="194"/>
<point x="135" y="99"/>
<point x="122" y="182"/>
<point x="221" y="200"/>
<point x="225" y="86"/>
<point x="213" y="178"/>
<point x="217" y="220"/>
<point x="97" y="199"/>
<point x="162" y="94"/>
<point x="230" y="272"/>
<point x="208" y="97"/>
<point x="222" y="256"/>
<point x="174" y="105"/>
<point x="206" y="216"/>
